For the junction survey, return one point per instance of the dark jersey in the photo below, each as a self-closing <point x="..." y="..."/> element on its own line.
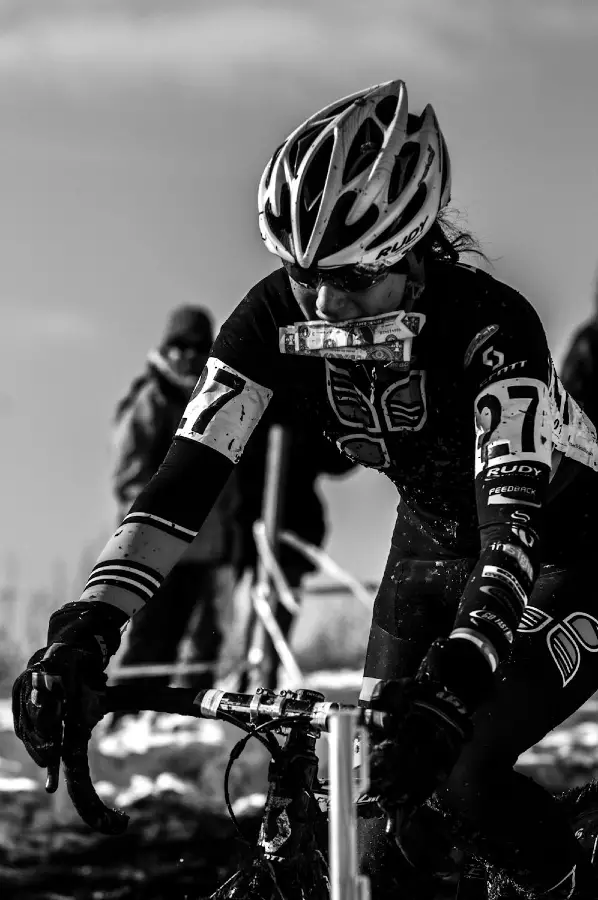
<point x="476" y="431"/>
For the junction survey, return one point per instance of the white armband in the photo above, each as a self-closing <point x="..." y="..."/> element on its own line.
<point x="224" y="409"/>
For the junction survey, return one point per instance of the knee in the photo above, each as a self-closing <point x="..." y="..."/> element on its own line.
<point x="372" y="843"/>
<point x="483" y="772"/>
<point x="459" y="794"/>
<point x="380" y="858"/>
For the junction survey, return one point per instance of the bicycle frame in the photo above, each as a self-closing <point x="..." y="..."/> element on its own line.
<point x="345" y="881"/>
<point x="287" y="862"/>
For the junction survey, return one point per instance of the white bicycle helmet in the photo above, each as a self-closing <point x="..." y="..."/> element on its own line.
<point x="357" y="184"/>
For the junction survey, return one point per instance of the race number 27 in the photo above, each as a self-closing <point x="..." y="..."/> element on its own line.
<point x="233" y="386"/>
<point x="224" y="409"/>
<point x="513" y="420"/>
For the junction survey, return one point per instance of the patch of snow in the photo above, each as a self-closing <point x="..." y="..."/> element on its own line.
<point x="14" y="785"/>
<point x="141" y="787"/>
<point x="138" y="734"/>
<point x="252" y="804"/>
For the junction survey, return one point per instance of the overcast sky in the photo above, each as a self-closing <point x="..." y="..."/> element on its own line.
<point x="133" y="137"/>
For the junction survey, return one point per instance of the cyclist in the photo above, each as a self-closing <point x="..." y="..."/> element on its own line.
<point x="440" y="377"/>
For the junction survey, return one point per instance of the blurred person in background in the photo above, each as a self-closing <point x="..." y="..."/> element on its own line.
<point x="579" y="370"/>
<point x="440" y="377"/>
<point x="183" y="621"/>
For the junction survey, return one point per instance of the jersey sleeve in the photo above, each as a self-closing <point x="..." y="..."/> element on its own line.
<point x="226" y="405"/>
<point x="508" y="370"/>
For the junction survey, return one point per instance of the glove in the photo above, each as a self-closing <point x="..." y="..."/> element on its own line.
<point x="65" y="677"/>
<point x="433" y="720"/>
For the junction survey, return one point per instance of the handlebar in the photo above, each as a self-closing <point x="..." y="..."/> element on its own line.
<point x="285" y="709"/>
<point x="267" y="706"/>
<point x="255" y="709"/>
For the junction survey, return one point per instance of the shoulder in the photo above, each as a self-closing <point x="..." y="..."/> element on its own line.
<point x="484" y="328"/>
<point x="249" y="339"/>
<point x="475" y="292"/>
<point x="270" y="302"/>
<point x="484" y="318"/>
<point x="273" y="287"/>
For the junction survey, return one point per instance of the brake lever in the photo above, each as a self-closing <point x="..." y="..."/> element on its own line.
<point x="52" y="778"/>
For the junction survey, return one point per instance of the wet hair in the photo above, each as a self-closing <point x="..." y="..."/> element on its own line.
<point x="446" y="241"/>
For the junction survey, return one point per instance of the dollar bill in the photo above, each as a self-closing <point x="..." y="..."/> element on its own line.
<point x="383" y="338"/>
<point x="380" y="353"/>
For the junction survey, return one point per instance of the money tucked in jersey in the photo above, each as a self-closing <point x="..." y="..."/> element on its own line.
<point x="386" y="338"/>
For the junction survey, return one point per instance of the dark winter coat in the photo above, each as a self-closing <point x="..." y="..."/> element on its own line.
<point x="579" y="372"/>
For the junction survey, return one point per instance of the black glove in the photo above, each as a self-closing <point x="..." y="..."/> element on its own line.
<point x="433" y="720"/>
<point x="66" y="677"/>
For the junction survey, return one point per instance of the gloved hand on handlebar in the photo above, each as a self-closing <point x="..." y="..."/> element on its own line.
<point x="432" y="714"/>
<point x="65" y="677"/>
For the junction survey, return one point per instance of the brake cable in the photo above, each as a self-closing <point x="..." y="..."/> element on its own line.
<point x="275" y="751"/>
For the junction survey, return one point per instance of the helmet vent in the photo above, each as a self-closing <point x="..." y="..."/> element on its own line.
<point x="282" y="222"/>
<point x="414" y="123"/>
<point x="445" y="188"/>
<point x="404" y="167"/>
<point x="313" y="188"/>
<point x="363" y="151"/>
<point x="286" y="240"/>
<point x="315" y="180"/>
<point x="386" y="109"/>
<point x="333" y="111"/>
<point x="408" y="214"/>
<point x="301" y="147"/>
<point x="338" y="234"/>
<point x="271" y="165"/>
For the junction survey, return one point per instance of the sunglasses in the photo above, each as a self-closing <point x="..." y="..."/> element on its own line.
<point x="345" y="278"/>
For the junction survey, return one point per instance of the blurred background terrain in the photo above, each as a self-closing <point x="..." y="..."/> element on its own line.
<point x="134" y="133"/>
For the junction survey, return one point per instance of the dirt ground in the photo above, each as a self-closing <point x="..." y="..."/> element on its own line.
<point x="167" y="774"/>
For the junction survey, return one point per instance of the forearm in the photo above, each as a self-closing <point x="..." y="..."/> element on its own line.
<point x="159" y="527"/>
<point x="167" y="515"/>
<point x="511" y="497"/>
<point x="496" y="595"/>
<point x="134" y="563"/>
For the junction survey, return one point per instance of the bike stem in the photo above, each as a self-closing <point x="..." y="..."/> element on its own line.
<point x="288" y="863"/>
<point x="287" y="825"/>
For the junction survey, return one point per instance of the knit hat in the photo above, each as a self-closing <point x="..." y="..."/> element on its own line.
<point x="191" y="326"/>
